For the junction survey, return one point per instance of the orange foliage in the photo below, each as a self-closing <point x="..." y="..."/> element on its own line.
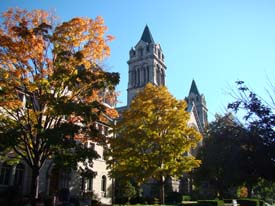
<point x="112" y="113"/>
<point x="243" y="192"/>
<point x="27" y="58"/>
<point x="48" y="73"/>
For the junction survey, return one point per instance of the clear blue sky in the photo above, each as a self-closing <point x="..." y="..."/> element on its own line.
<point x="213" y="42"/>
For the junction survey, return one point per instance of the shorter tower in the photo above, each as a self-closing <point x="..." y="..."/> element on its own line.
<point x="198" y="101"/>
<point x="146" y="64"/>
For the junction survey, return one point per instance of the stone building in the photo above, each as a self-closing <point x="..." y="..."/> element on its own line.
<point x="146" y="65"/>
<point x="16" y="179"/>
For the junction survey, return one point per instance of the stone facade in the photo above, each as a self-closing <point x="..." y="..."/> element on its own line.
<point x="146" y="65"/>
<point x="52" y="179"/>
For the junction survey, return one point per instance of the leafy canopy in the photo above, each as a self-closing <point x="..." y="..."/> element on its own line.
<point x="260" y="121"/>
<point x="229" y="139"/>
<point x="153" y="137"/>
<point x="52" y="90"/>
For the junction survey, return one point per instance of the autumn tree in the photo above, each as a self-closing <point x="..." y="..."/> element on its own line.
<point x="52" y="89"/>
<point x="153" y="139"/>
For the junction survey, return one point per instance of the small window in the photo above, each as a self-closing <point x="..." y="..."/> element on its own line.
<point x="102" y="156"/>
<point x="140" y="51"/>
<point x="92" y="146"/>
<point x="83" y="184"/>
<point x="90" y="184"/>
<point x="132" y="53"/>
<point x="103" y="185"/>
<point x="5" y="173"/>
<point x="19" y="175"/>
<point x="101" y="129"/>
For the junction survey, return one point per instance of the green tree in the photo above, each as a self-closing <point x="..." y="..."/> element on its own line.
<point x="239" y="155"/>
<point x="220" y="155"/>
<point x="265" y="190"/>
<point x="153" y="138"/>
<point x="52" y="90"/>
<point x="124" y="190"/>
<point x="259" y="118"/>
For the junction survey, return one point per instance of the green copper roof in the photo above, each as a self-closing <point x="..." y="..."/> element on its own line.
<point x="147" y="36"/>
<point x="194" y="88"/>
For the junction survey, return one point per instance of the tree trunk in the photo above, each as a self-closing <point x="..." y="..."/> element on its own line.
<point x="249" y="190"/>
<point x="35" y="186"/>
<point x="161" y="191"/>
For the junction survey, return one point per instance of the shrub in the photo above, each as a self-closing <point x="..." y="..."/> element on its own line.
<point x="173" y="198"/>
<point x="95" y="202"/>
<point x="190" y="204"/>
<point x="248" y="202"/>
<point x="186" y="198"/>
<point x="124" y="191"/>
<point x="176" y="198"/>
<point x="11" y="196"/>
<point x="64" y="195"/>
<point x="48" y="201"/>
<point x="210" y="203"/>
<point x="75" y="201"/>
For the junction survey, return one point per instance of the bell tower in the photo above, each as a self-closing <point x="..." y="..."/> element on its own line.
<point x="198" y="100"/>
<point x="146" y="64"/>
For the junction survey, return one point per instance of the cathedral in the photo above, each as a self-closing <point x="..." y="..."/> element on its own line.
<point x="146" y="65"/>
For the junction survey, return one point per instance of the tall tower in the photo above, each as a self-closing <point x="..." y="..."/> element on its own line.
<point x="146" y="64"/>
<point x="198" y="100"/>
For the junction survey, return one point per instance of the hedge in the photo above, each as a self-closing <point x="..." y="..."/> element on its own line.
<point x="210" y="203"/>
<point x="250" y="202"/>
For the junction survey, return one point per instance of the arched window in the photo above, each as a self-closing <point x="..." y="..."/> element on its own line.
<point x="130" y="78"/>
<point x="19" y="174"/>
<point x="158" y="75"/>
<point x="140" y="52"/>
<point x="148" y="48"/>
<point x="144" y="75"/>
<point x="138" y="77"/>
<point x="103" y="185"/>
<point x="147" y="71"/>
<point x="163" y="78"/>
<point x="82" y="186"/>
<point x="142" y="79"/>
<point x="159" y="54"/>
<point x="90" y="184"/>
<point x="65" y="177"/>
<point x="5" y="173"/>
<point x="134" y="78"/>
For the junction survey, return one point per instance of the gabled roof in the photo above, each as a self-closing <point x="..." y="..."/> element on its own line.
<point x="193" y="110"/>
<point x="194" y="88"/>
<point x="147" y="36"/>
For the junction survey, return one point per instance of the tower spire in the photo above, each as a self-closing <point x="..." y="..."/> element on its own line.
<point x="194" y="88"/>
<point x="146" y="65"/>
<point x="147" y="36"/>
